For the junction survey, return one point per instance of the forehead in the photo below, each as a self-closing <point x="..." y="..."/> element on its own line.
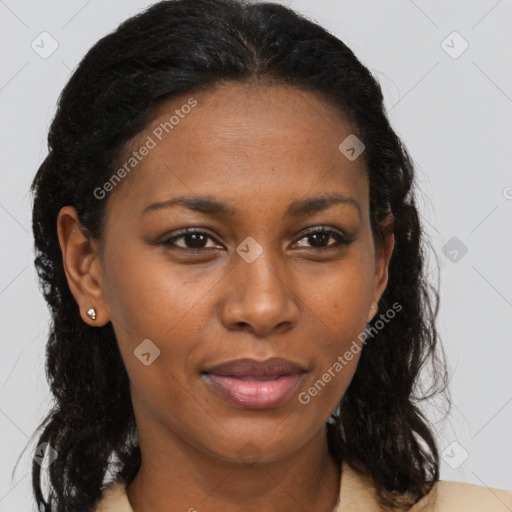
<point x="242" y="139"/>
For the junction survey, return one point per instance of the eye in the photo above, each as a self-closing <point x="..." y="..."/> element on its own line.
<point x="192" y="239"/>
<point x="319" y="237"/>
<point x="196" y="240"/>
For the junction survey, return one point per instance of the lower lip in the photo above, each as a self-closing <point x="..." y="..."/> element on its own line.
<point x="261" y="394"/>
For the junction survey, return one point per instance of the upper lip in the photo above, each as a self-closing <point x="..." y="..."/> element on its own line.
<point x="275" y="366"/>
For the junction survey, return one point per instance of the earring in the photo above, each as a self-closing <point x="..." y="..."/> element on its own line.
<point x="91" y="313"/>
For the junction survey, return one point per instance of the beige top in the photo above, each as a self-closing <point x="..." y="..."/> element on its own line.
<point x="357" y="495"/>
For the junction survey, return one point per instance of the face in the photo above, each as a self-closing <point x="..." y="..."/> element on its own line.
<point x="281" y="263"/>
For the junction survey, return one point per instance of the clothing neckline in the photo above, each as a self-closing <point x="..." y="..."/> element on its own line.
<point x="357" y="493"/>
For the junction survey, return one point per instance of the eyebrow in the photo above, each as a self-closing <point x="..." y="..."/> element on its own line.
<point x="297" y="208"/>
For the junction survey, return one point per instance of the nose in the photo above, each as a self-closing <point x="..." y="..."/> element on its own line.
<point x="261" y="297"/>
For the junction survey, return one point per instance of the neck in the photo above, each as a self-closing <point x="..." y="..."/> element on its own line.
<point x="181" y="477"/>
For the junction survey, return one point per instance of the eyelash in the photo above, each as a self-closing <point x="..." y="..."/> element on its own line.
<point x="341" y="239"/>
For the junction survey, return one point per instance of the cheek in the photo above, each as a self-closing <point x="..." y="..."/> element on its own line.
<point x="160" y="309"/>
<point x="338" y="308"/>
<point x="340" y="298"/>
<point x="147" y="296"/>
<point x="156" y="309"/>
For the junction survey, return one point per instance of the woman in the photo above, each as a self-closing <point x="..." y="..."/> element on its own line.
<point x="227" y="237"/>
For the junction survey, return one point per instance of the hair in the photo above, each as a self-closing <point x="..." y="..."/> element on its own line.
<point x="178" y="47"/>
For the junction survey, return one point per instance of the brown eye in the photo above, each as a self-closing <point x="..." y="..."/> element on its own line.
<point x="319" y="238"/>
<point x="193" y="240"/>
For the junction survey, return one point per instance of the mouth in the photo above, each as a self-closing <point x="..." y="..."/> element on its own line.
<point x="250" y="384"/>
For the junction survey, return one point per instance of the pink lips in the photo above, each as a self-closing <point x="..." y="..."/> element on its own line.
<point x="251" y="384"/>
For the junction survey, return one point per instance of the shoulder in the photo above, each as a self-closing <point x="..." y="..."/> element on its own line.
<point x="446" y="496"/>
<point x="114" y="499"/>
<point x="358" y="493"/>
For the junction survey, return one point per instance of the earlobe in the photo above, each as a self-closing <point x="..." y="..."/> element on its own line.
<point x="81" y="266"/>
<point x="373" y="311"/>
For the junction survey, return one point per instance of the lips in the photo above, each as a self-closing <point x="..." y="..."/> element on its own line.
<point x="272" y="368"/>
<point x="250" y="384"/>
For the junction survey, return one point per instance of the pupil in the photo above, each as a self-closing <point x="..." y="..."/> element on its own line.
<point x="197" y="240"/>
<point x="323" y="238"/>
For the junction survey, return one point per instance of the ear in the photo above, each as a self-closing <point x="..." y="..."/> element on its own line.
<point x="383" y="253"/>
<point x="82" y="266"/>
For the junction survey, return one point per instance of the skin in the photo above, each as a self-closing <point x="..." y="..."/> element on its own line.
<point x="256" y="148"/>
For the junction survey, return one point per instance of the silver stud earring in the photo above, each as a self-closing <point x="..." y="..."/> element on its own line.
<point x="91" y="313"/>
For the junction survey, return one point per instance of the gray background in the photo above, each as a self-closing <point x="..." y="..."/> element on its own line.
<point x="453" y="113"/>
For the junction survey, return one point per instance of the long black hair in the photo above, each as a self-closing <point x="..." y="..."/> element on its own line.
<point x="181" y="46"/>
